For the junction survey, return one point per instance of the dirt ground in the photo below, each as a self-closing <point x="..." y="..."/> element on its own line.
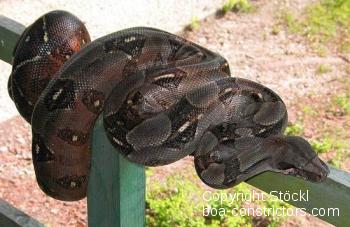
<point x="283" y="62"/>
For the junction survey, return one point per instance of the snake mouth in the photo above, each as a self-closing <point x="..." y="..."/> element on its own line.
<point x="316" y="171"/>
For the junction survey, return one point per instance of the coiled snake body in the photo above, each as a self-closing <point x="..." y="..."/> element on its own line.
<point x="162" y="98"/>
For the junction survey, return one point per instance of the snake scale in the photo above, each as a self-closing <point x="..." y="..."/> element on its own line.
<point x="162" y="98"/>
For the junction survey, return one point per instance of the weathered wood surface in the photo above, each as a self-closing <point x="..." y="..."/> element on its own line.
<point x="12" y="217"/>
<point x="116" y="192"/>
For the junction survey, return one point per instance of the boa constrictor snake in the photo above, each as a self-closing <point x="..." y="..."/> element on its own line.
<point x="162" y="98"/>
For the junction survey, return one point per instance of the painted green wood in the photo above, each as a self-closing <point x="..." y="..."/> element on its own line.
<point x="9" y="33"/>
<point x="116" y="191"/>
<point x="12" y="217"/>
<point x="332" y="193"/>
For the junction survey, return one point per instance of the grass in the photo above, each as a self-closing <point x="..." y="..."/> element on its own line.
<point x="340" y="105"/>
<point x="275" y="30"/>
<point x="325" y="22"/>
<point x="178" y="201"/>
<point x="321" y="146"/>
<point x="332" y="139"/>
<point x="308" y="110"/>
<point x="194" y="25"/>
<point x="343" y="102"/>
<point x="334" y="143"/>
<point x="237" y="6"/>
<point x="338" y="160"/>
<point x="294" y="129"/>
<point x="322" y="69"/>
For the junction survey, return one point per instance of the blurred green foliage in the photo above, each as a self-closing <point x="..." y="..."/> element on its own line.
<point x="237" y="6"/>
<point x="325" y="21"/>
<point x="178" y="201"/>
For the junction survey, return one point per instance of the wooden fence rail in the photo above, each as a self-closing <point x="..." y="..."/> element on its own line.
<point x="116" y="192"/>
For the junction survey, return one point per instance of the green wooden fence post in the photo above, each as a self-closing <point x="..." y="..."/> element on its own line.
<point x="334" y="192"/>
<point x="9" y="33"/>
<point x="116" y="192"/>
<point x="12" y="217"/>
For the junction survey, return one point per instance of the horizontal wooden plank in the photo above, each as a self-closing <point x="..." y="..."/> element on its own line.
<point x="10" y="31"/>
<point x="12" y="217"/>
<point x="332" y="193"/>
<point x="116" y="191"/>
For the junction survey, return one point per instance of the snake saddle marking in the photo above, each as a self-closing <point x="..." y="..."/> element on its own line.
<point x="162" y="98"/>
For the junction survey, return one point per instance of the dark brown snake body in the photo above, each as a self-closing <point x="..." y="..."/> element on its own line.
<point x="162" y="98"/>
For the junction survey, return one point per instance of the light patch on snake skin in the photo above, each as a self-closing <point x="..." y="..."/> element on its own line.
<point x="46" y="36"/>
<point x="73" y="184"/>
<point x="200" y="116"/>
<point x="93" y="101"/>
<point x="129" y="39"/>
<point x="57" y="94"/>
<point x="184" y="126"/>
<point x="74" y="138"/>
<point x="25" y="62"/>
<point x="27" y="39"/>
<point x="41" y="152"/>
<point x="166" y="76"/>
<point x="97" y="103"/>
<point x="151" y="132"/>
<point x="120" y="143"/>
<point x="227" y="90"/>
<point x="262" y="130"/>
<point x="214" y="174"/>
<point x="270" y="113"/>
<point x="67" y="57"/>
<point x="128" y="56"/>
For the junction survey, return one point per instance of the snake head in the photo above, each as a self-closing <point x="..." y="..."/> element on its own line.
<point x="297" y="158"/>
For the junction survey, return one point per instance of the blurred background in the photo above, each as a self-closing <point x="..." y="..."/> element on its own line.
<point x="298" y="48"/>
